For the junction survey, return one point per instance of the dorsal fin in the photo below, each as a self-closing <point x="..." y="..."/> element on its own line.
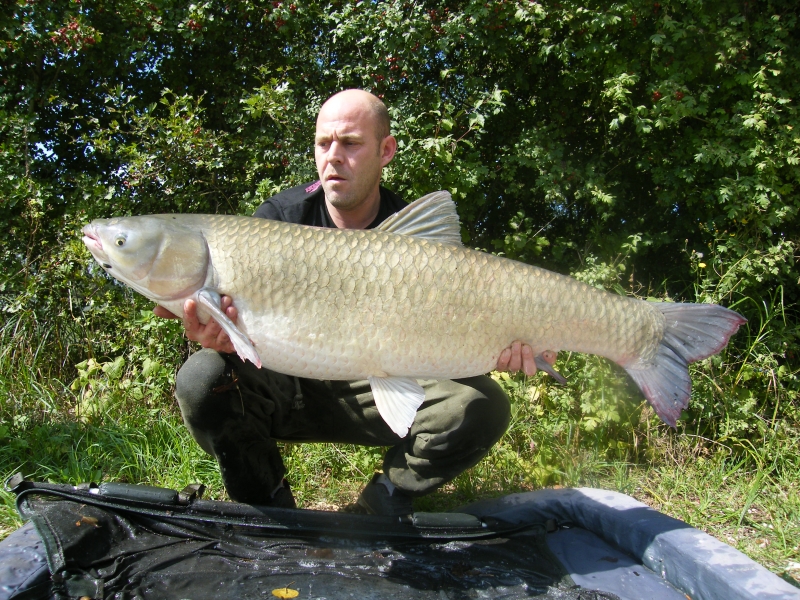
<point x="432" y="217"/>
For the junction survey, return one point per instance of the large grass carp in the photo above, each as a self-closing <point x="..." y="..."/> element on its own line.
<point x="403" y="301"/>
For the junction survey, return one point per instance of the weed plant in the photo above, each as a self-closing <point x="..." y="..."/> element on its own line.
<point x="86" y="395"/>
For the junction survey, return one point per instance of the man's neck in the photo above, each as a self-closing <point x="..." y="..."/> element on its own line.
<point x="359" y="217"/>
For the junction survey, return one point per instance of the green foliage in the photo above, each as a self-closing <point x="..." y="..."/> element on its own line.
<point x="673" y="122"/>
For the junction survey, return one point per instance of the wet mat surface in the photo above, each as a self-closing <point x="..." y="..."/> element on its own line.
<point x="102" y="553"/>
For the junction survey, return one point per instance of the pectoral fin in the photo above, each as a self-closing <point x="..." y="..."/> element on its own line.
<point x="210" y="300"/>
<point x="545" y="366"/>
<point x="397" y="400"/>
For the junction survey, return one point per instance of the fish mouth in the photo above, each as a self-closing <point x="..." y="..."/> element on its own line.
<point x="95" y="245"/>
<point x="91" y="239"/>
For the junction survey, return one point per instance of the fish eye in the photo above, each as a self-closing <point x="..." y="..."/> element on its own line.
<point x="120" y="241"/>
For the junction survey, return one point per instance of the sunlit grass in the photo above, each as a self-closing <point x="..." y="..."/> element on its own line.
<point x="742" y="499"/>
<point x="754" y="509"/>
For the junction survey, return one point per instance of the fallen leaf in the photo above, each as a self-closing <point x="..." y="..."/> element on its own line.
<point x="285" y="593"/>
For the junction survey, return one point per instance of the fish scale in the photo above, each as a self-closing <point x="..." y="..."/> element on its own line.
<point x="402" y="301"/>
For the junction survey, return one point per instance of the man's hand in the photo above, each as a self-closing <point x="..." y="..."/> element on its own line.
<point x="519" y="357"/>
<point x="210" y="335"/>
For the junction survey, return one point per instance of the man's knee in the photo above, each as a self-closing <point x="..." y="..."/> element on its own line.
<point x="453" y="431"/>
<point x="474" y="411"/>
<point x="195" y="383"/>
<point x="487" y="410"/>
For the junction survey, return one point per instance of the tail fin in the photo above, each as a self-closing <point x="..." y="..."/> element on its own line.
<point x="693" y="332"/>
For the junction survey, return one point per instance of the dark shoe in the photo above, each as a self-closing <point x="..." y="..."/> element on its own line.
<point x="381" y="497"/>
<point x="282" y="497"/>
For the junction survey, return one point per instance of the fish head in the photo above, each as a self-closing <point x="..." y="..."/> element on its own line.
<point x="156" y="255"/>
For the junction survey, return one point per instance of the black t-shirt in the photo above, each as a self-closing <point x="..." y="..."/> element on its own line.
<point x="305" y="204"/>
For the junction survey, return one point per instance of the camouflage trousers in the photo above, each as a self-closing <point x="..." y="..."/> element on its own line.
<point x="236" y="412"/>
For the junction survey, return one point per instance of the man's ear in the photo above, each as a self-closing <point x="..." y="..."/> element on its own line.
<point x="388" y="149"/>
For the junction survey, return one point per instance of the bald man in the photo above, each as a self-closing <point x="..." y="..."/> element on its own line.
<point x="236" y="412"/>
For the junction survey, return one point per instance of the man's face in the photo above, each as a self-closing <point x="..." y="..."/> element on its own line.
<point x="348" y="154"/>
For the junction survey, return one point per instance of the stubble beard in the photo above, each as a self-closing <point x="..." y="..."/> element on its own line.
<point x="351" y="197"/>
<point x="342" y="200"/>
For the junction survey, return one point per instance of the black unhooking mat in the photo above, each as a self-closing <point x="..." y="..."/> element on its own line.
<point x="135" y="542"/>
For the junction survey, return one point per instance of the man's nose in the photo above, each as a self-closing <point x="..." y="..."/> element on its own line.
<point x="335" y="152"/>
